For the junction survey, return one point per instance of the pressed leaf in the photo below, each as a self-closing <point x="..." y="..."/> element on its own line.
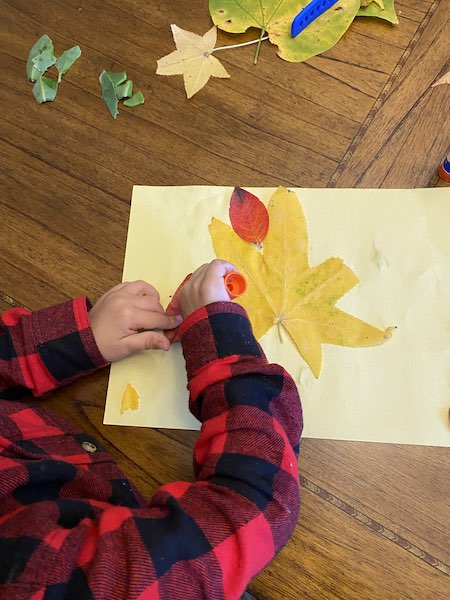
<point x="109" y="93"/>
<point x="384" y="10"/>
<point x="117" y="77"/>
<point x="248" y="216"/>
<point x="44" y="61"/>
<point x="193" y="59"/>
<point x="276" y="16"/>
<point x="284" y="290"/>
<point x="45" y="89"/>
<point x="44" y="44"/>
<point x="135" y="100"/>
<point x="130" y="399"/>
<point x="66" y="60"/>
<point x="125" y="90"/>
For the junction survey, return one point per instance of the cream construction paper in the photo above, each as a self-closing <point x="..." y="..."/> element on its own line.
<point x="396" y="241"/>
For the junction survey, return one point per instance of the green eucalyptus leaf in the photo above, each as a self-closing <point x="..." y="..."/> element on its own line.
<point x="135" y="100"/>
<point x="66" y="60"/>
<point x="44" y="44"/>
<point x="45" y="89"/>
<point x="109" y="93"/>
<point x="375" y="10"/>
<point x="44" y="61"/>
<point x="117" y="78"/>
<point x="125" y="90"/>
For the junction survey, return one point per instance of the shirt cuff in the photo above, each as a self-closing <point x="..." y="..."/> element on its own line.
<point x="217" y="331"/>
<point x="65" y="343"/>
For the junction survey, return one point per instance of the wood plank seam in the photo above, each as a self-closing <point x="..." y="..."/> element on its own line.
<point x="375" y="526"/>
<point x="382" y="97"/>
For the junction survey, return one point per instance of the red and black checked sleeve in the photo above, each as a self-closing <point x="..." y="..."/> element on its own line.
<point x="246" y="499"/>
<point x="70" y="527"/>
<point x="42" y="350"/>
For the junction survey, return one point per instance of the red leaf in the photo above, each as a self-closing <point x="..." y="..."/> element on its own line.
<point x="249" y="217"/>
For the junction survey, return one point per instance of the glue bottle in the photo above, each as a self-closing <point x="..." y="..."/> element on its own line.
<point x="236" y="284"/>
<point x="444" y="169"/>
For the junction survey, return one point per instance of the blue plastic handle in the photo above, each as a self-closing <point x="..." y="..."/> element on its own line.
<point x="309" y="13"/>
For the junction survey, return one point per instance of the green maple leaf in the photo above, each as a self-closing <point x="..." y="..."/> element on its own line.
<point x="276" y="16"/>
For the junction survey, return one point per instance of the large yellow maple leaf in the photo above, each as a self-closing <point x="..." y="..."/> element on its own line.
<point x="284" y="290"/>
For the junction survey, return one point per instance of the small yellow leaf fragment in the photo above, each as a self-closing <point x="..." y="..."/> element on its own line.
<point x="130" y="399"/>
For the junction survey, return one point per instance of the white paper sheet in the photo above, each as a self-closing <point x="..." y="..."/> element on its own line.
<point x="398" y="244"/>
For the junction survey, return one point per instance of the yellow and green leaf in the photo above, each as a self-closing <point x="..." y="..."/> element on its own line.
<point x="381" y="10"/>
<point x="284" y="290"/>
<point x="276" y="16"/>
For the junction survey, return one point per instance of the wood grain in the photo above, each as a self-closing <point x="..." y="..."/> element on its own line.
<point x="410" y="115"/>
<point x="374" y="520"/>
<point x="332" y="556"/>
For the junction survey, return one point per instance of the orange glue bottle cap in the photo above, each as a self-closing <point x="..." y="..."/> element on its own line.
<point x="236" y="284"/>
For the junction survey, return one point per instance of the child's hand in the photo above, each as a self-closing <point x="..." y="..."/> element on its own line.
<point x="205" y="286"/>
<point x="119" y="316"/>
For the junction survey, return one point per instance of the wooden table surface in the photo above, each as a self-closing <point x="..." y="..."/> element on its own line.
<point x="375" y="517"/>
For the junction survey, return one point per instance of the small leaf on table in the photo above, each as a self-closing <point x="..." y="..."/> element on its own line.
<point x="117" y="77"/>
<point x="193" y="59"/>
<point x="66" y="60"/>
<point x="45" y="89"/>
<point x="135" y="100"/>
<point x="125" y="90"/>
<point x="44" y="61"/>
<point x="109" y="93"/>
<point x="381" y="10"/>
<point x="442" y="80"/>
<point x="44" y="44"/>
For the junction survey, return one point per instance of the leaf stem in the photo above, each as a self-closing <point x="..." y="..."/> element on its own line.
<point x="279" y="331"/>
<point x="255" y="60"/>
<point x="258" y="41"/>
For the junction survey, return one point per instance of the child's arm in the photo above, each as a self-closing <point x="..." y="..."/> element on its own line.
<point x="246" y="499"/>
<point x="194" y="540"/>
<point x="45" y="349"/>
<point x="207" y="539"/>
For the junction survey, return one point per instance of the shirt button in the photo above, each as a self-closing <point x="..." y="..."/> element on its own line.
<point x="89" y="446"/>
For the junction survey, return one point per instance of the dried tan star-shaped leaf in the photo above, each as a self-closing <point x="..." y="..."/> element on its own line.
<point x="284" y="290"/>
<point x="193" y="59"/>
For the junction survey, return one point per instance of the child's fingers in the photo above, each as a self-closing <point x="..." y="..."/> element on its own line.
<point x="148" y="303"/>
<point x="141" y="287"/>
<point x="147" y="340"/>
<point x="174" y="307"/>
<point x="144" y="319"/>
<point x="220" y="268"/>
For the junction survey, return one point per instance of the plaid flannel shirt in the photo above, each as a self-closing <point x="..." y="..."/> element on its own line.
<point x="71" y="524"/>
